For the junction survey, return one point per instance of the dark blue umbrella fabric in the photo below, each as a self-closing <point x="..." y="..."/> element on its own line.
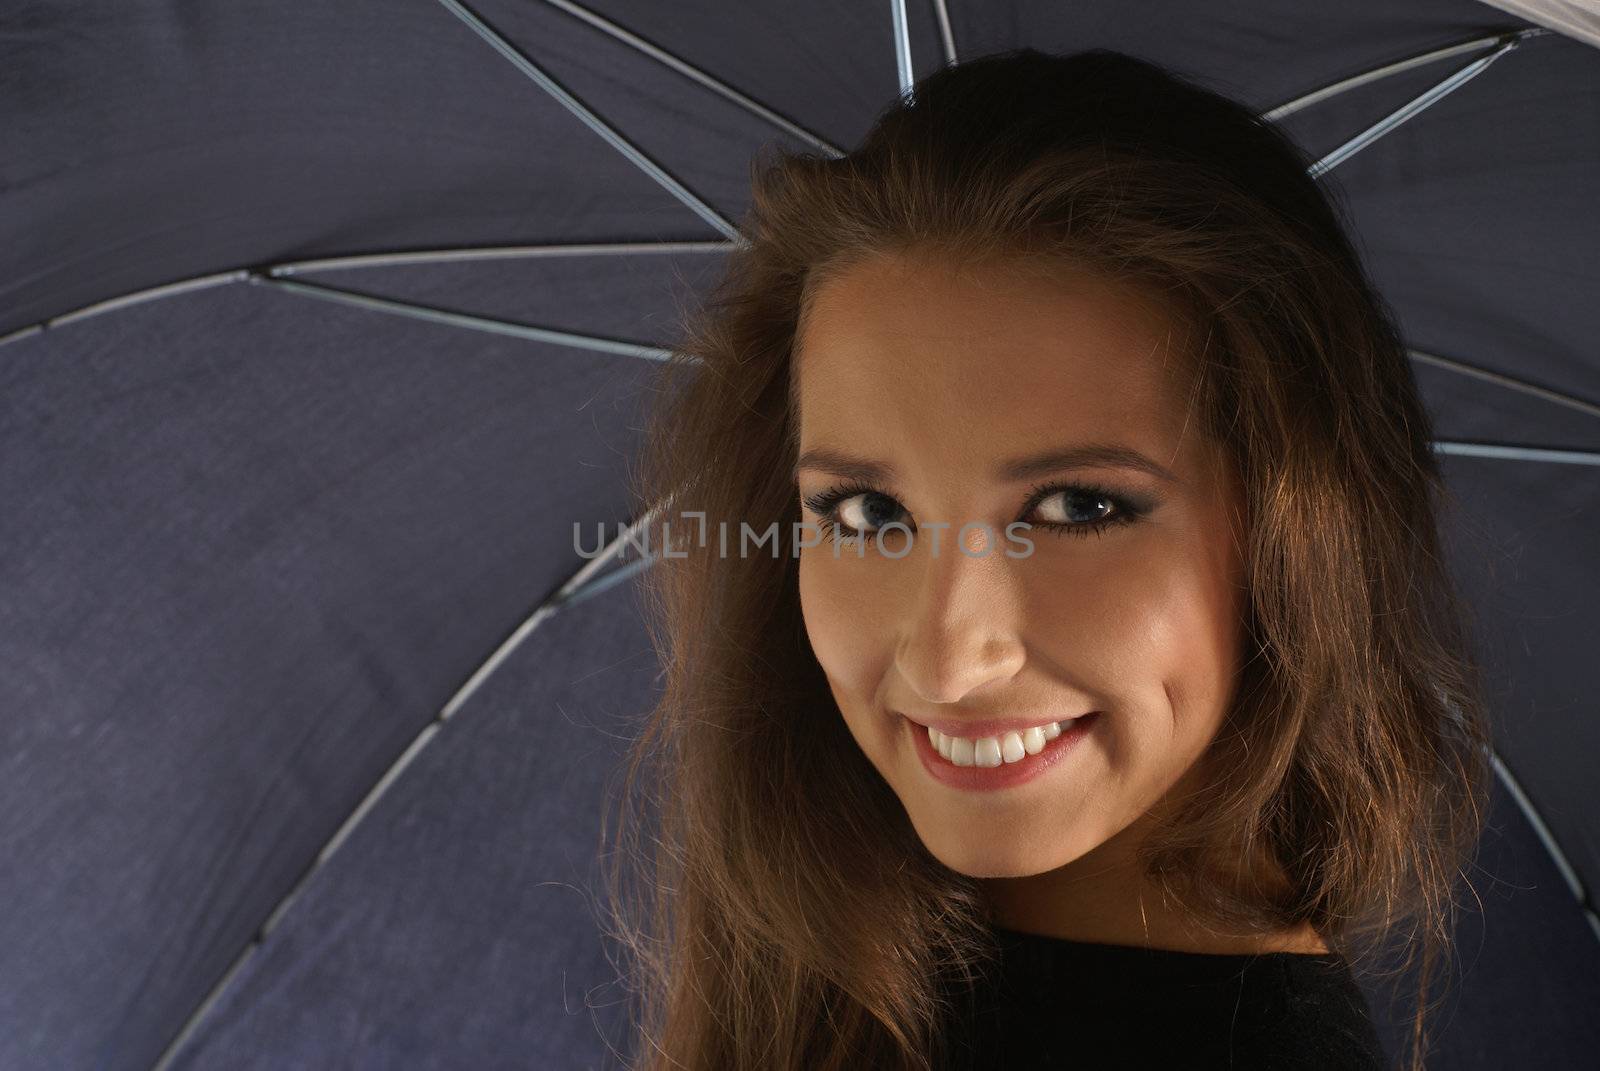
<point x="322" y="324"/>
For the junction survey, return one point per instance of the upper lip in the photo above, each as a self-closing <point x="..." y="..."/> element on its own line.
<point x="976" y="728"/>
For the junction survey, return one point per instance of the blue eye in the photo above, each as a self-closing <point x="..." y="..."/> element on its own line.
<point x="868" y="511"/>
<point x="1079" y="509"/>
<point x="852" y="511"/>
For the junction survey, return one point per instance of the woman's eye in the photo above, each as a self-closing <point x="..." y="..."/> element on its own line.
<point x="1076" y="506"/>
<point x="868" y="511"/>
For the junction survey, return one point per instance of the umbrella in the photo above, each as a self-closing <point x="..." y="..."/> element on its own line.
<point x="321" y="326"/>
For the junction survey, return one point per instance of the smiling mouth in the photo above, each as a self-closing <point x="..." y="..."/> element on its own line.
<point x="998" y="762"/>
<point x="1007" y="748"/>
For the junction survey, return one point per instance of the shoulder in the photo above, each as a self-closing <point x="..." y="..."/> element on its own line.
<point x="1305" y="1011"/>
<point x="1133" y="1007"/>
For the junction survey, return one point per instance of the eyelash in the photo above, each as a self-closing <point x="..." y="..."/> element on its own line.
<point x="825" y="503"/>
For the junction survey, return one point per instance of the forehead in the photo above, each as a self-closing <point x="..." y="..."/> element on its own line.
<point x="899" y="345"/>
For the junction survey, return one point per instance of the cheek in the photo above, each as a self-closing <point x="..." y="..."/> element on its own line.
<point x="846" y="607"/>
<point x="1153" y="626"/>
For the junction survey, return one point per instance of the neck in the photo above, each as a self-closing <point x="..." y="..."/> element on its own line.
<point x="1104" y="897"/>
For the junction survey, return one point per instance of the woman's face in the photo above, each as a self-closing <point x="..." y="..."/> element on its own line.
<point x="957" y="387"/>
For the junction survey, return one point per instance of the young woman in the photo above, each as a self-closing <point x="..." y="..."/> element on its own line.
<point x="1103" y="699"/>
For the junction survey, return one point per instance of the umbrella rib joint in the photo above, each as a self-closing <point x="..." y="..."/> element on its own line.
<point x="587" y="116"/>
<point x="449" y="317"/>
<point x="696" y="74"/>
<point x="578" y="587"/>
<point x="1419" y="103"/>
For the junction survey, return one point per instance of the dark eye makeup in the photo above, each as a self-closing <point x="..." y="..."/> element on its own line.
<point x="1126" y="509"/>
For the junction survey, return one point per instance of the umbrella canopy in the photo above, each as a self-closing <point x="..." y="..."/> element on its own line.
<point x="322" y="324"/>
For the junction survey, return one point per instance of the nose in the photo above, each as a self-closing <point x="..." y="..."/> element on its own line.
<point x="958" y="634"/>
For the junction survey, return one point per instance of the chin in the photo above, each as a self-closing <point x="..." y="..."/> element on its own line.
<point x="990" y="857"/>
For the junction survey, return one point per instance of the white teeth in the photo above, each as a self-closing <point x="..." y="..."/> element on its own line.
<point x="961" y="751"/>
<point x="991" y="751"/>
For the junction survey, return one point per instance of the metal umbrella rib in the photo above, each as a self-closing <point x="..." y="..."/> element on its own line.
<point x="946" y="35"/>
<point x="507" y="252"/>
<point x="1500" y="379"/>
<point x="1510" y="452"/>
<point x="902" y="46"/>
<point x="1569" y="875"/>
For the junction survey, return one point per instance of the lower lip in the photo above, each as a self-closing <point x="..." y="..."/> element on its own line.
<point x="1007" y="774"/>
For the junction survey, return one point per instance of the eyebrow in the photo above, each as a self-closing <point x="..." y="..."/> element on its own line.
<point x="1086" y="455"/>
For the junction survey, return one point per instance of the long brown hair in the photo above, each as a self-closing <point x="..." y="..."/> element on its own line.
<point x="773" y="903"/>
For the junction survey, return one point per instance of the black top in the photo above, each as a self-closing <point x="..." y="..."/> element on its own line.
<point x="1055" y="1003"/>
